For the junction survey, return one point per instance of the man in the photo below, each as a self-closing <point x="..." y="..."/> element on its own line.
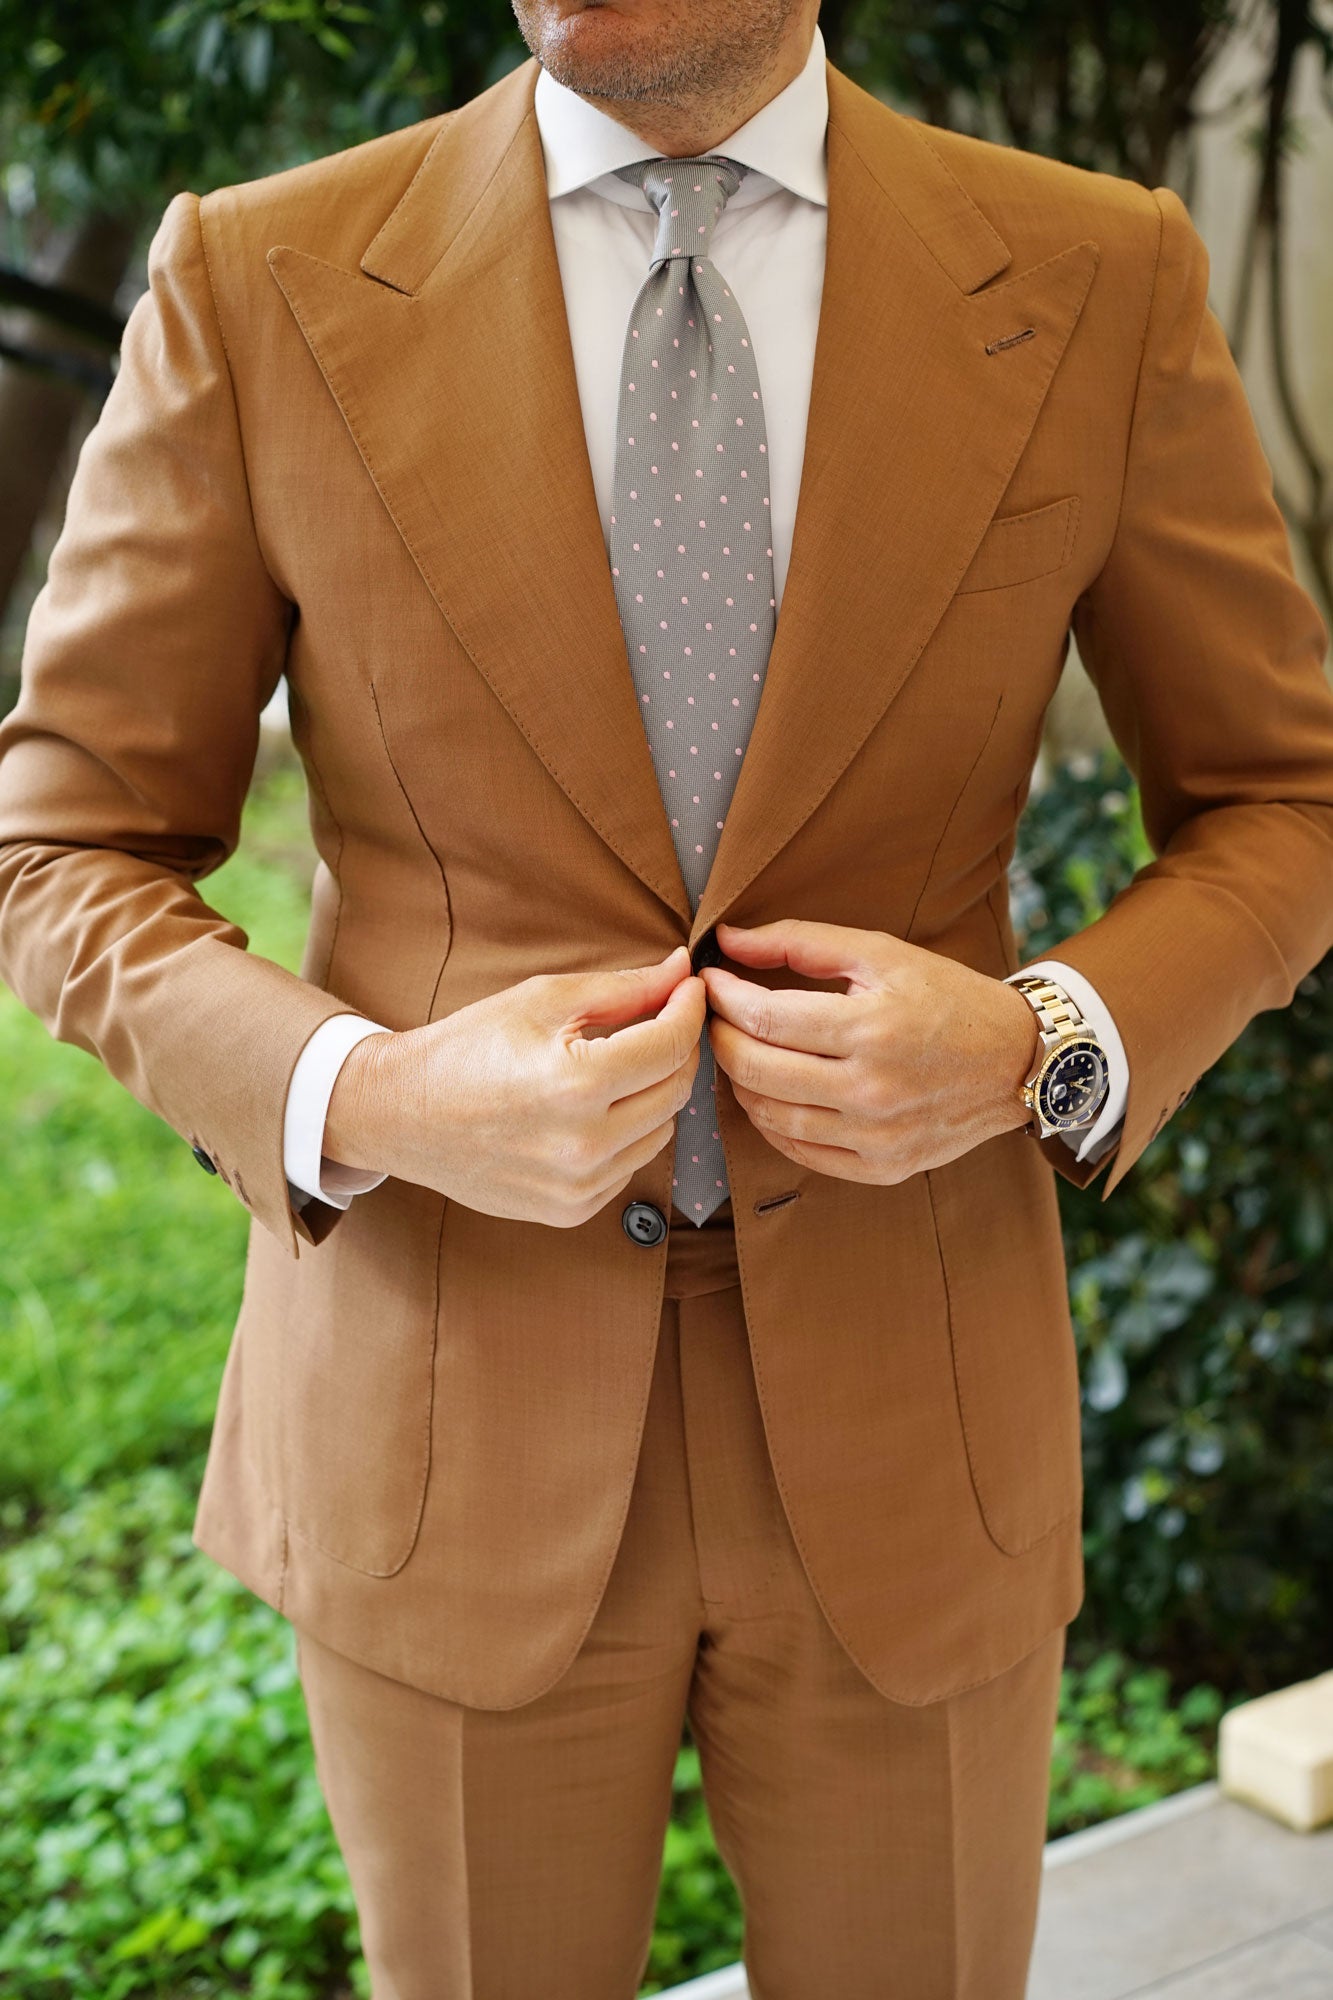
<point x="559" y="1408"/>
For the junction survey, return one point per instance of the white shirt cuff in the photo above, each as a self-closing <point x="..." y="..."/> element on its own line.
<point x="1105" y="1129"/>
<point x="310" y="1175"/>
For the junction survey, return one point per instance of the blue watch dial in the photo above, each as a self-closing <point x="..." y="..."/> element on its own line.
<point x="1072" y="1088"/>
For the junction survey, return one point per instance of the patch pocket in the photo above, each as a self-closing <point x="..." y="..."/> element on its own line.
<point x="358" y="1356"/>
<point x="1017" y="548"/>
<point x="997" y="1225"/>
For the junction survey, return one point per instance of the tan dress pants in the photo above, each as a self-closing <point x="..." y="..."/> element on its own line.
<point x="880" y="1852"/>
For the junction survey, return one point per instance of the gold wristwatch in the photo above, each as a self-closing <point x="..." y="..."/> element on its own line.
<point x="1067" y="1085"/>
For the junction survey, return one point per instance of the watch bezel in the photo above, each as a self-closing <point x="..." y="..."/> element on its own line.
<point x="1066" y="1046"/>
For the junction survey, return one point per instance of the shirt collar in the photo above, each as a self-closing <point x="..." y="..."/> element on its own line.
<point x="783" y="144"/>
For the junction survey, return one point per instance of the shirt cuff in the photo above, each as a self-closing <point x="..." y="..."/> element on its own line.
<point x="1105" y="1129"/>
<point x="310" y="1176"/>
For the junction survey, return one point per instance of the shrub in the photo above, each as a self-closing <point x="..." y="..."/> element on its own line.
<point x="161" y="1828"/>
<point x="1203" y="1303"/>
<point x="162" y="1831"/>
<point x="160" y="1820"/>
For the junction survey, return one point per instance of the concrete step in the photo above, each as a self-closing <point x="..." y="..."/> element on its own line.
<point x="1196" y="1898"/>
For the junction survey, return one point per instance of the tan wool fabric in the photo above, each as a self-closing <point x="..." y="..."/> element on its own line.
<point x="878" y="1849"/>
<point x="321" y="458"/>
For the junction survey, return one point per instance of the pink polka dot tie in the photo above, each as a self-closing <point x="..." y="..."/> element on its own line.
<point x="692" y="557"/>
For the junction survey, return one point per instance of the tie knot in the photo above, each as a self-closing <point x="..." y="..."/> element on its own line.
<point x="689" y="196"/>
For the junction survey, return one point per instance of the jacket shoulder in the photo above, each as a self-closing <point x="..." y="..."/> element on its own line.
<point x="1040" y="205"/>
<point x="328" y="207"/>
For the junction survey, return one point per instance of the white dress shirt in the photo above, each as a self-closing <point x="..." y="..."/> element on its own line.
<point x="773" y="259"/>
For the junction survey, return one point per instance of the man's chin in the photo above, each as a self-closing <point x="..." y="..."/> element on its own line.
<point x="589" y="77"/>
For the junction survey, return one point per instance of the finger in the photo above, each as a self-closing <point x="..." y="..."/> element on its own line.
<point x="821" y="1023"/>
<point x="791" y="1074"/>
<point x="621" y="994"/>
<point x="627" y="1118"/>
<point x="634" y="1057"/>
<point x="627" y="1162"/>
<point x="811" y="1124"/>
<point x="822" y="951"/>
<point x="838" y="1162"/>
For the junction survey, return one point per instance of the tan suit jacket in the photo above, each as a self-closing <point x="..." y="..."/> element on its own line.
<point x="345" y="442"/>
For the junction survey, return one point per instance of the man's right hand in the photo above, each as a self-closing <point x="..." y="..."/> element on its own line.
<point x="507" y="1107"/>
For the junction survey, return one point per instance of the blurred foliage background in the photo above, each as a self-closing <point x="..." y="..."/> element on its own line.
<point x="161" y="1831"/>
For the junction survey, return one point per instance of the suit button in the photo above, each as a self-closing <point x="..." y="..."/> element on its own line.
<point x="707" y="952"/>
<point x="644" y="1223"/>
<point x="203" y="1159"/>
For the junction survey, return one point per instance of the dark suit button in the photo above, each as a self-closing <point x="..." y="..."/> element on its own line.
<point x="707" y="952"/>
<point x="203" y="1159"/>
<point x="643" y="1223"/>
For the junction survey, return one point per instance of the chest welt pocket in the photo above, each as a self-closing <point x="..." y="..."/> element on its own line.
<point x="1017" y="548"/>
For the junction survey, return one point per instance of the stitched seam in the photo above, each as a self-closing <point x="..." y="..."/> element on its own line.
<point x="834" y="1623"/>
<point x="1015" y="521"/>
<point x="953" y="813"/>
<point x="336" y="869"/>
<point x="1006" y="1548"/>
<point x="994" y="914"/>
<point x="231" y="386"/>
<point x="393" y="1567"/>
<point x="1072" y="528"/>
<point x="430" y="849"/>
<point x="917" y="651"/>
<point x="627" y="1493"/>
<point x="663" y="890"/>
<point x="411" y="187"/>
<point x="954" y="1910"/>
<point x="292" y="1244"/>
<point x="989" y="292"/>
<point x="1138" y="373"/>
<point x="912" y="127"/>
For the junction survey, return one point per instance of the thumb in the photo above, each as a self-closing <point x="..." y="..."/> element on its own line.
<point x="627" y="995"/>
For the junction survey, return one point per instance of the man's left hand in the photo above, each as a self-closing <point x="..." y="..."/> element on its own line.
<point x="917" y="1062"/>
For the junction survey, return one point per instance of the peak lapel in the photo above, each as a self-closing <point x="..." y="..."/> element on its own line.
<point x="914" y="431"/>
<point x="449" y="356"/>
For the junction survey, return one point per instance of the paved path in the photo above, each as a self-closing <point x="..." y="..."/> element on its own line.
<point x="1194" y="1899"/>
<point x="1197" y="1898"/>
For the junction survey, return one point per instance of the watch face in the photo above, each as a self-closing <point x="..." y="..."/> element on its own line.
<point x="1071" y="1088"/>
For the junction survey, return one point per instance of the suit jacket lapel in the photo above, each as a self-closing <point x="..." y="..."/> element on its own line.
<point x="448" y="353"/>
<point x="913" y="433"/>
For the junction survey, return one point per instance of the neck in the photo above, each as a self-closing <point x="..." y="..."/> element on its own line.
<point x="690" y="129"/>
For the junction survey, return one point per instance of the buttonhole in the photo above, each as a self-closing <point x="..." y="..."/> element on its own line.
<point x="1010" y="340"/>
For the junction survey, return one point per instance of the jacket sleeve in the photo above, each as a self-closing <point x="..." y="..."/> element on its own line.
<point x="151" y="650"/>
<point x="1207" y="656"/>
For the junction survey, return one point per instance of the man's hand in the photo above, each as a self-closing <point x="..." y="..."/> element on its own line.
<point x="918" y="1061"/>
<point x="508" y="1107"/>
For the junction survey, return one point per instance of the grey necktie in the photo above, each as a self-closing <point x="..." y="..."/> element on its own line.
<point x="692" y="557"/>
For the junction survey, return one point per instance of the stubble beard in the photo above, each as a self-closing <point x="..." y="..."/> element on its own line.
<point x="675" y="67"/>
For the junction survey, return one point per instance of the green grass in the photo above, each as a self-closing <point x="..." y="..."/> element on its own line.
<point x="161" y="1829"/>
<point x="120" y="1262"/>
